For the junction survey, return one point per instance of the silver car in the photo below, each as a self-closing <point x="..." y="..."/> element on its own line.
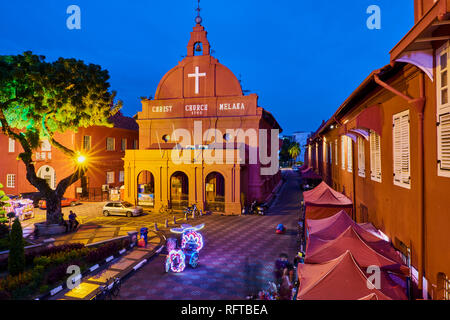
<point x="122" y="208"/>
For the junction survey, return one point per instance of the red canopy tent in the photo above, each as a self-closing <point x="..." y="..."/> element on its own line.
<point x="321" y="231"/>
<point x="323" y="202"/>
<point x="338" y="279"/>
<point x="322" y="251"/>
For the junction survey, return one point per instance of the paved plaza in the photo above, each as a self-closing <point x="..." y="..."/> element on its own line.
<point x="237" y="260"/>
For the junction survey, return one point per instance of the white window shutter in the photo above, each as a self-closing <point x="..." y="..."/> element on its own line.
<point x="444" y="142"/>
<point x="336" y="152"/>
<point x="375" y="156"/>
<point x="443" y="110"/>
<point x="349" y="154"/>
<point x="378" y="157"/>
<point x="361" y="158"/>
<point x="343" y="152"/>
<point x="401" y="149"/>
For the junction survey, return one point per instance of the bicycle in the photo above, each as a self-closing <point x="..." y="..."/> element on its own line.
<point x="165" y="209"/>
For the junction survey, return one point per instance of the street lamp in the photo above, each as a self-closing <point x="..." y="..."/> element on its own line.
<point x="81" y="159"/>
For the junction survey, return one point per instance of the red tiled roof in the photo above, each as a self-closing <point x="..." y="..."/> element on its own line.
<point x="123" y="122"/>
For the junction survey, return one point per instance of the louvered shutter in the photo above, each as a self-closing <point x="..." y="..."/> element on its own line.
<point x="336" y="152"/>
<point x="401" y="148"/>
<point x="375" y="156"/>
<point x="343" y="152"/>
<point x="443" y="111"/>
<point x="361" y="158"/>
<point x="349" y="154"/>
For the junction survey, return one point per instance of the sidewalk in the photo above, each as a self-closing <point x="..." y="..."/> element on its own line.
<point x="117" y="268"/>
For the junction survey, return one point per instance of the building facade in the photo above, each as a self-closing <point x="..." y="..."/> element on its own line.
<point x="104" y="149"/>
<point x="387" y="148"/>
<point x="201" y="140"/>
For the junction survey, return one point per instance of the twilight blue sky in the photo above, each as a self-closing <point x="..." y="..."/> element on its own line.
<point x="303" y="58"/>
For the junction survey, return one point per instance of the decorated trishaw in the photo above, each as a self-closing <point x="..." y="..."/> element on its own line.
<point x="188" y="252"/>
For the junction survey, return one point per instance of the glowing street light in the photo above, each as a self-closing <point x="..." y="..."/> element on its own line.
<point x="81" y="159"/>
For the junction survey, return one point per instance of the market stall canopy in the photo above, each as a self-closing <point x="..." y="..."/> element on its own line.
<point x="338" y="279"/>
<point x="323" y="251"/>
<point x="321" y="231"/>
<point x="330" y="228"/>
<point x="324" y="195"/>
<point x="323" y="202"/>
<point x="310" y="174"/>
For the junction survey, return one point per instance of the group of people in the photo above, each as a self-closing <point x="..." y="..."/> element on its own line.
<point x="73" y="222"/>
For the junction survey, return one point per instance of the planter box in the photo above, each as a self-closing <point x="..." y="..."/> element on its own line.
<point x="45" y="229"/>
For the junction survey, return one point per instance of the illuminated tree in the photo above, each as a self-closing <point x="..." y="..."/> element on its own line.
<point x="294" y="150"/>
<point x="39" y="99"/>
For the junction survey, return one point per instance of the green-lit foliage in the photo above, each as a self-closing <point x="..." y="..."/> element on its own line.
<point x="3" y="202"/>
<point x="64" y="95"/>
<point x="40" y="98"/>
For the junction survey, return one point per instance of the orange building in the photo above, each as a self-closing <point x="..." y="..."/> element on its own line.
<point x="104" y="148"/>
<point x="387" y="147"/>
<point x="201" y="139"/>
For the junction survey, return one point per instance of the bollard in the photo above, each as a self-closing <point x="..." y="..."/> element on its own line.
<point x="156" y="226"/>
<point x="193" y="214"/>
<point x="167" y="223"/>
<point x="186" y="217"/>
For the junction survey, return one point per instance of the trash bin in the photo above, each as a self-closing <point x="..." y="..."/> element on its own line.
<point x="144" y="234"/>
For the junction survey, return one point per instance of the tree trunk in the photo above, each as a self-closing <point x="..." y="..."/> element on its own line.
<point x="53" y="204"/>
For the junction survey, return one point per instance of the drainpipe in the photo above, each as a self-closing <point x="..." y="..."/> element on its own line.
<point x="419" y="105"/>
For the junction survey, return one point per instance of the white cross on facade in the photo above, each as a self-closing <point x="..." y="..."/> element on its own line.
<point x="197" y="76"/>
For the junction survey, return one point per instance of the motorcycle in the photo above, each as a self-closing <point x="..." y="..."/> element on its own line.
<point x="255" y="208"/>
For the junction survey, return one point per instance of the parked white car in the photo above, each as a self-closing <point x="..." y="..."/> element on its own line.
<point x="122" y="208"/>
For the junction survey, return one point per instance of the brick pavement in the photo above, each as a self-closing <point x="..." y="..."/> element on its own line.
<point x="237" y="260"/>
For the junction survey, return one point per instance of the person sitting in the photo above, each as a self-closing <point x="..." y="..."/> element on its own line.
<point x="64" y="222"/>
<point x="73" y="221"/>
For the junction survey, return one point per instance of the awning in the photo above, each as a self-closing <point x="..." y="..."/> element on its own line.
<point x="432" y="27"/>
<point x="371" y="118"/>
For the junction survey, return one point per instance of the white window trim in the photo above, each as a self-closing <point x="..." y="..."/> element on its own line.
<point x="336" y="160"/>
<point x="349" y="154"/>
<point x="90" y="143"/>
<point x="342" y="152"/>
<point x="403" y="148"/>
<point x="10" y="177"/>
<point x="317" y="155"/>
<point x="442" y="111"/>
<point x="110" y="174"/>
<point x="375" y="157"/>
<point x="113" y="144"/>
<point x="361" y="158"/>
<point x="45" y="145"/>
<point x="12" y="145"/>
